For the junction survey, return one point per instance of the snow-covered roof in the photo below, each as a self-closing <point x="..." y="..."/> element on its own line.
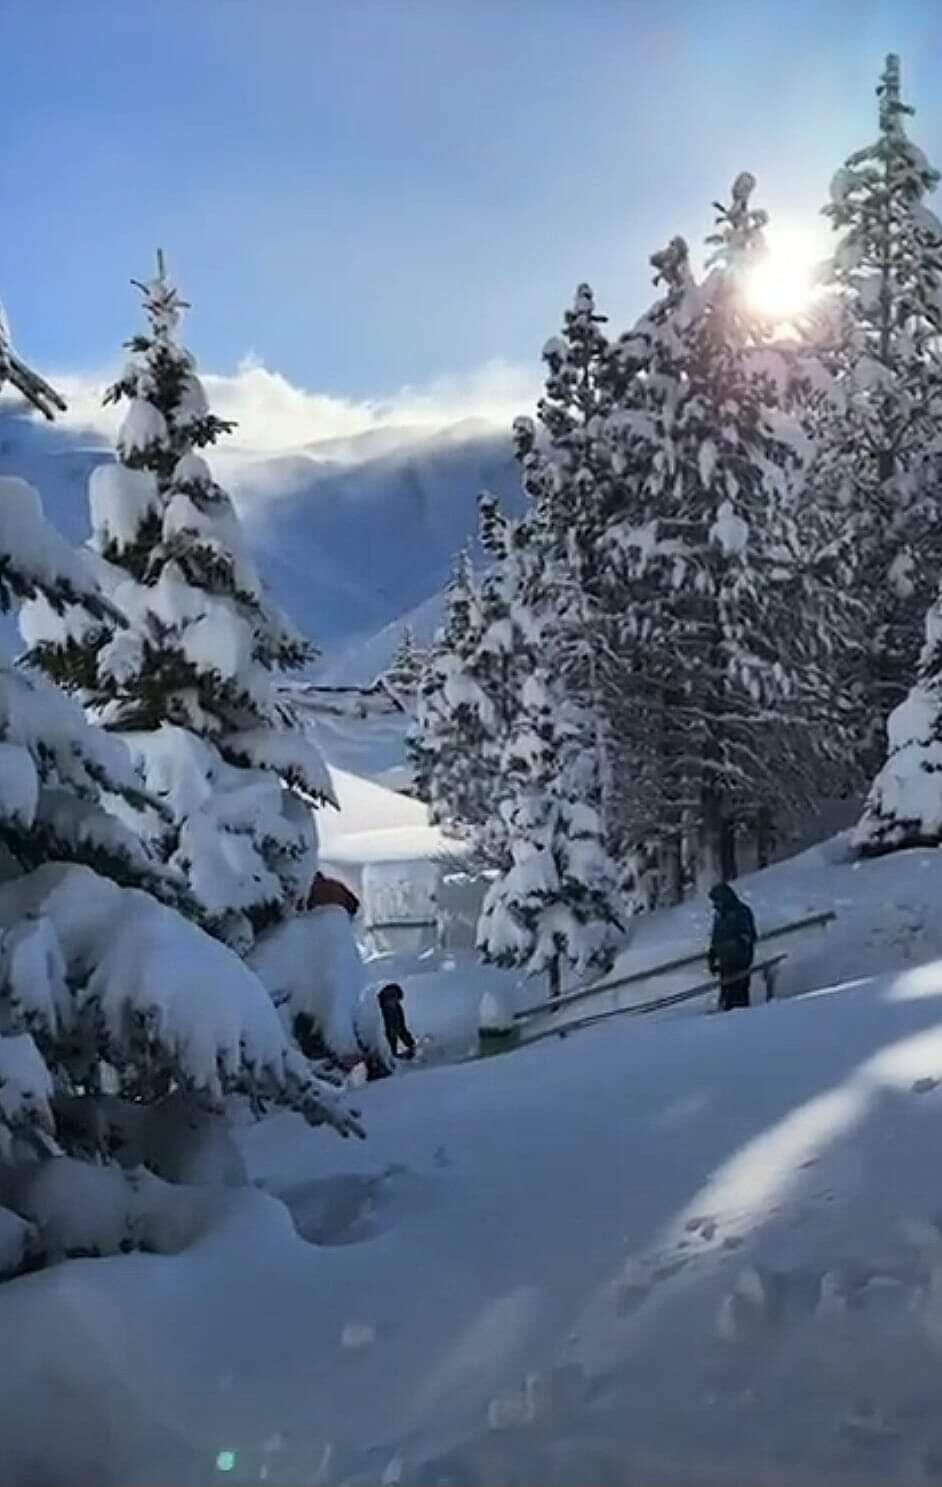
<point x="374" y="824"/>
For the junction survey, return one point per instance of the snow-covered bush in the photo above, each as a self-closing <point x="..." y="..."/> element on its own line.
<point x="904" y="808"/>
<point x="189" y="678"/>
<point x="312" y="968"/>
<point x="93" y="974"/>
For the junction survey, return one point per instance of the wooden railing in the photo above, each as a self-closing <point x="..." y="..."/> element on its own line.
<point x="662" y="969"/>
<point x="674" y="999"/>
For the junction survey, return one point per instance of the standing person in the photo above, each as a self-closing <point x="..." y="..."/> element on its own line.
<point x="732" y="946"/>
<point x="394" y="1020"/>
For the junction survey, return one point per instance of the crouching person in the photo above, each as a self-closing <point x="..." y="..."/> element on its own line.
<point x="394" y="1021"/>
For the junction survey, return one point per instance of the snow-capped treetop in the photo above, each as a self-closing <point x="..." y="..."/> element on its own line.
<point x="168" y="414"/>
<point x="163" y="304"/>
<point x="888" y="263"/>
<point x="738" y="242"/>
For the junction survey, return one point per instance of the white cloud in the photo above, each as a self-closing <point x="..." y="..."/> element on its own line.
<point x="275" y="415"/>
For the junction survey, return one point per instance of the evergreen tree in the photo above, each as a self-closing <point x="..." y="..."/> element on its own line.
<point x="570" y="467"/>
<point x="904" y="808"/>
<point x="448" y="730"/>
<point x="96" y="974"/>
<point x="731" y="585"/>
<point x="404" y="672"/>
<point x="557" y="901"/>
<point x="469" y="691"/>
<point x="190" y="681"/>
<point x="876" y="437"/>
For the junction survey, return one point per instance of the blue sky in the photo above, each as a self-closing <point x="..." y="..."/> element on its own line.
<point x="368" y="193"/>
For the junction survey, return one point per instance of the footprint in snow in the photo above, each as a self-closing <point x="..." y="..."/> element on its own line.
<point x="705" y="1226"/>
<point x="664" y="1272"/>
<point x="865" y="1424"/>
<point x="766" y="1301"/>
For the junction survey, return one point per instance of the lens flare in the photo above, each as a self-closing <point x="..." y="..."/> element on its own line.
<point x="782" y="286"/>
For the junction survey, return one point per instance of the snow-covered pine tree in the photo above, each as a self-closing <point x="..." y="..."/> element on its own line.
<point x="469" y="691"/>
<point x="404" y="672"/>
<point x="904" y="808"/>
<point x="650" y="801"/>
<point x="97" y="975"/>
<point x="573" y="472"/>
<point x="557" y="902"/>
<point x="190" y="681"/>
<point x="443" y="746"/>
<point x="876" y="438"/>
<point x="731" y="585"/>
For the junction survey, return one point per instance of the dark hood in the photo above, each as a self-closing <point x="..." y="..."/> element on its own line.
<point x="723" y="897"/>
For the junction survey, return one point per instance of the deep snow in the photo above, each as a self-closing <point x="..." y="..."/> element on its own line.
<point x="694" y="1250"/>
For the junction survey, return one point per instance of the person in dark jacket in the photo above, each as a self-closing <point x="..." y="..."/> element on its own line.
<point x="394" y="1020"/>
<point x="732" y="947"/>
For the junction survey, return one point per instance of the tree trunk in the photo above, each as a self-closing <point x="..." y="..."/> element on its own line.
<point x="765" y="836"/>
<point x="729" y="868"/>
<point x="710" y="840"/>
<point x="555" y="977"/>
<point x="670" y="870"/>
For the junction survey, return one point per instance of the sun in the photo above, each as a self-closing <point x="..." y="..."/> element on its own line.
<point x="782" y="286"/>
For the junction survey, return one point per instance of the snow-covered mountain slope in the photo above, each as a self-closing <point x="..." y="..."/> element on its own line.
<point x="351" y="534"/>
<point x="690" y="1252"/>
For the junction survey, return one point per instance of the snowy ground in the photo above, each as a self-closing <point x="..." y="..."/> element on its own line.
<point x="694" y="1251"/>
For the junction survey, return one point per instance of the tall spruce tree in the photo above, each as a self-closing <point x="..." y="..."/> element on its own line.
<point x="573" y="478"/>
<point x="731" y="585"/>
<point x="558" y="898"/>
<point x="876" y="437"/>
<point x="190" y="681"/>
